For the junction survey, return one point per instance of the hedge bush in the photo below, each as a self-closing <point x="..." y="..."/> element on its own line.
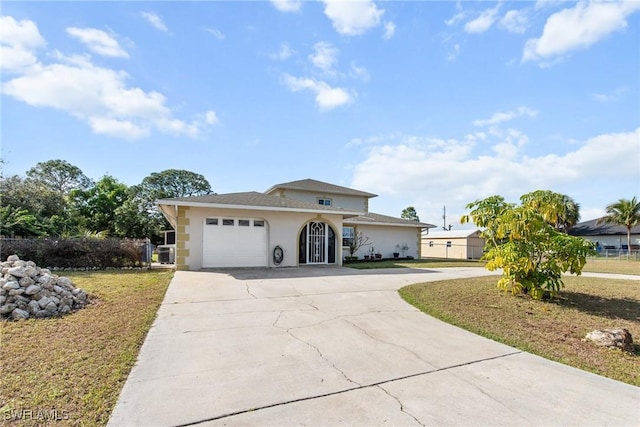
<point x="76" y="253"/>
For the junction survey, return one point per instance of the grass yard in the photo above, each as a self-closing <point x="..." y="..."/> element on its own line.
<point x="414" y="263"/>
<point x="74" y="367"/>
<point x="552" y="329"/>
<point x="613" y="265"/>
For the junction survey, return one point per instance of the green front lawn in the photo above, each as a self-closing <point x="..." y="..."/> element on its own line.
<point x="77" y="364"/>
<point x="613" y="265"/>
<point x="552" y="329"/>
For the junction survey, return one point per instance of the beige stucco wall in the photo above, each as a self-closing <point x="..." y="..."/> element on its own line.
<point x="461" y="248"/>
<point x="385" y="238"/>
<point x="283" y="229"/>
<point x="346" y="202"/>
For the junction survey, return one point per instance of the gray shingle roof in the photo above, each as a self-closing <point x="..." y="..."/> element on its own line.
<point x="374" y="218"/>
<point x="252" y="198"/>
<point x="321" y="187"/>
<point x="590" y="228"/>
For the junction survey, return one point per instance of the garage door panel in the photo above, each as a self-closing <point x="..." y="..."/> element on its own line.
<point x="234" y="246"/>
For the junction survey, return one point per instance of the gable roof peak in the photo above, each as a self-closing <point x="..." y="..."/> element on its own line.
<point x="309" y="184"/>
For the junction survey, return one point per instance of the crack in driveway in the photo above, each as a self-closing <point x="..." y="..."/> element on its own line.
<point x="402" y="409"/>
<point x="358" y="387"/>
<point x="364" y="331"/>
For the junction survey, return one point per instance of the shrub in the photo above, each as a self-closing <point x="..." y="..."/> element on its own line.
<point x="75" y="253"/>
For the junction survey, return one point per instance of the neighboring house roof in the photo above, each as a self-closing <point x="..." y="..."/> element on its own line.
<point x="455" y="234"/>
<point x="377" y="219"/>
<point x="590" y="228"/>
<point x="319" y="186"/>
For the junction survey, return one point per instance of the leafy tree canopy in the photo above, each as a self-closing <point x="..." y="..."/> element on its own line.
<point x="557" y="209"/>
<point x="59" y="175"/>
<point x="174" y="183"/>
<point x="524" y="241"/>
<point x="99" y="203"/>
<point x="410" y="213"/>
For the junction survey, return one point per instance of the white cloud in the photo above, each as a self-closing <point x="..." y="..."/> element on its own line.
<point x="123" y="129"/>
<point x="389" y="30"/>
<point x="327" y="97"/>
<point x="215" y="33"/>
<point x="284" y="53"/>
<point x="506" y="116"/>
<point x="483" y="22"/>
<point x="96" y="95"/>
<point x="578" y="28"/>
<point x="611" y="96"/>
<point x="454" y="52"/>
<point x="287" y="5"/>
<point x="211" y="118"/>
<point x="155" y="21"/>
<point x="515" y="21"/>
<point x="359" y="73"/>
<point x="18" y="42"/>
<point x="324" y="56"/>
<point x="98" y="42"/>
<point x="431" y="172"/>
<point x="456" y="18"/>
<point x="352" y="18"/>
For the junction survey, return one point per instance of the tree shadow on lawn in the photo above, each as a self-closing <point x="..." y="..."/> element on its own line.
<point x="611" y="308"/>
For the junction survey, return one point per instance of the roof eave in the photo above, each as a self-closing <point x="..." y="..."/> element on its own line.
<point x="256" y="207"/>
<point x="395" y="224"/>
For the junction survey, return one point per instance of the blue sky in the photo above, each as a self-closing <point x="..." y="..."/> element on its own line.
<point x="423" y="103"/>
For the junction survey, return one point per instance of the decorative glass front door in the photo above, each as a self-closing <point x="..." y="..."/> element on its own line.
<point x="317" y="243"/>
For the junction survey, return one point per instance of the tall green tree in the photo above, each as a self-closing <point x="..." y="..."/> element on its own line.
<point x="133" y="220"/>
<point x="19" y="222"/>
<point x="624" y="212"/>
<point x="98" y="204"/>
<point x="46" y="210"/>
<point x="524" y="241"/>
<point x="167" y="184"/>
<point x="173" y="183"/>
<point x="59" y="175"/>
<point x="410" y="214"/>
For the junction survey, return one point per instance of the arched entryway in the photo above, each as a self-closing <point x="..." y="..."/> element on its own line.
<point x="317" y="244"/>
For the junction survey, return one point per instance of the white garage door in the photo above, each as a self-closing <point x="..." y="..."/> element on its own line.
<point x="234" y="242"/>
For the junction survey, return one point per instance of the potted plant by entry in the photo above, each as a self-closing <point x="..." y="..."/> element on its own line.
<point x="396" y="254"/>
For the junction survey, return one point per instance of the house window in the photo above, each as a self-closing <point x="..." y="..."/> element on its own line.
<point x="228" y="222"/>
<point x="324" y="202"/>
<point x="212" y="221"/>
<point x="448" y="243"/>
<point x="430" y="243"/>
<point x="258" y="223"/>
<point x="348" y="236"/>
<point x="244" y="222"/>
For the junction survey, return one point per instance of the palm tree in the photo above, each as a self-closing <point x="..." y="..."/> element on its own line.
<point x="559" y="210"/>
<point x="623" y="212"/>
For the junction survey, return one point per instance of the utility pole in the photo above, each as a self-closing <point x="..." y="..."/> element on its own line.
<point x="444" y="219"/>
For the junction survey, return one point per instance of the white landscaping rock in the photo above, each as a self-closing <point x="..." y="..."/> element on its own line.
<point x="29" y="291"/>
<point x="613" y="338"/>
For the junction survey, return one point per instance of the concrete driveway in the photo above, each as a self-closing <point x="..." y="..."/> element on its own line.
<point x="335" y="346"/>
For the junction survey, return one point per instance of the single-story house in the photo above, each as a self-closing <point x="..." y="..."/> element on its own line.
<point x="290" y="224"/>
<point x="608" y="237"/>
<point x="457" y="244"/>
